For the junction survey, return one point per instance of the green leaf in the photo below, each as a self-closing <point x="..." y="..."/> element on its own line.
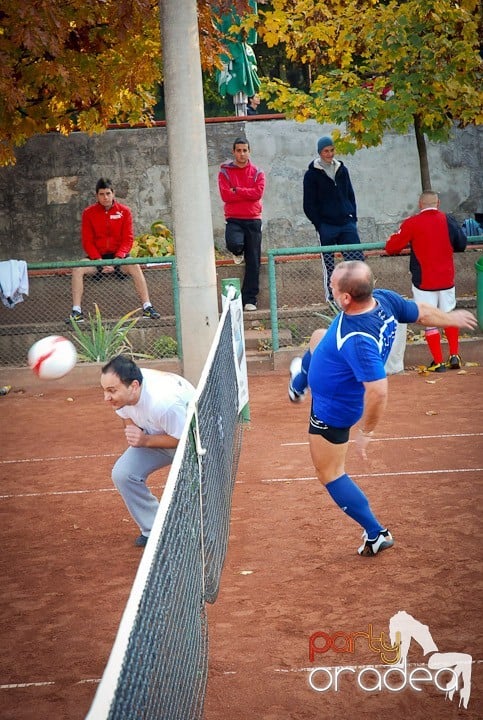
<point x="100" y="342"/>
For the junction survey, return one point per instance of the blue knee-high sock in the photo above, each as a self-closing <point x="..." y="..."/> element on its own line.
<point x="300" y="381"/>
<point x="350" y="498"/>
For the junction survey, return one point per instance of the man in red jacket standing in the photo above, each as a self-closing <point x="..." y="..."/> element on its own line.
<point x="241" y="187"/>
<point x="433" y="237"/>
<point x="107" y="232"/>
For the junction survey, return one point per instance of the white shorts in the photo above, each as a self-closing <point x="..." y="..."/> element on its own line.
<point x="445" y="300"/>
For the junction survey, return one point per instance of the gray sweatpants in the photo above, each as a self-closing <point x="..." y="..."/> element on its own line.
<point x="129" y="475"/>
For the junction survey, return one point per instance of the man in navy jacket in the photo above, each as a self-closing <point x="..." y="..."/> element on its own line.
<point x="330" y="204"/>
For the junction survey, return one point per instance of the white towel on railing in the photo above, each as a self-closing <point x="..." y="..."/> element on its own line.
<point x="14" y="281"/>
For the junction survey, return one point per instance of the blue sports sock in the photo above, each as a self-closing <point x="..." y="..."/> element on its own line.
<point x="300" y="381"/>
<point x="350" y="498"/>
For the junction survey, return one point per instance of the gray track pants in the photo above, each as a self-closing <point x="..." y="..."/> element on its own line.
<point x="129" y="475"/>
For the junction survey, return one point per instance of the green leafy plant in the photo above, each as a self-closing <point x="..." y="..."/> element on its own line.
<point x="296" y="333"/>
<point x="99" y="342"/>
<point x="165" y="347"/>
<point x="158" y="242"/>
<point x="333" y="310"/>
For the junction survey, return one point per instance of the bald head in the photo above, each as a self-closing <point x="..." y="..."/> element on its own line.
<point x="355" y="278"/>
<point x="428" y="199"/>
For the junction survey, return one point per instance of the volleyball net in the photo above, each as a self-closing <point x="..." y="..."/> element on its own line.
<point x="158" y="665"/>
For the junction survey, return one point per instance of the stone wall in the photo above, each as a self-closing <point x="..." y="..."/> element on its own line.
<point x="43" y="195"/>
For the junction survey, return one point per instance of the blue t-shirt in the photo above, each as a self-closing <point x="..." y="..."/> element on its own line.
<point x="353" y="351"/>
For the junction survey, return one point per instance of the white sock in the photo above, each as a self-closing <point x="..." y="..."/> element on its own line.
<point x="146" y="305"/>
<point x="76" y="308"/>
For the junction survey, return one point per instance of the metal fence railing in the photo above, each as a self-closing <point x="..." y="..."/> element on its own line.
<point x="46" y="308"/>
<point x="295" y="281"/>
<point x="291" y="302"/>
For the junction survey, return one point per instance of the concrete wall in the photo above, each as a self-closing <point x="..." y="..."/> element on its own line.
<point x="43" y="195"/>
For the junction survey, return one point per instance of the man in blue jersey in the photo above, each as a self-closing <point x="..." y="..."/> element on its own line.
<point x="344" y="369"/>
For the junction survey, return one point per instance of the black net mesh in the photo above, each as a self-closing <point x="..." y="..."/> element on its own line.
<point x="159" y="663"/>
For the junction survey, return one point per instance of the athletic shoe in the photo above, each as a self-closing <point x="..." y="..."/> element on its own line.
<point x="371" y="547"/>
<point x="141" y="541"/>
<point x="295" y="369"/>
<point x="250" y="307"/>
<point x="454" y="362"/>
<point x="150" y="312"/>
<point x="76" y="317"/>
<point x="436" y="367"/>
<point x="237" y="259"/>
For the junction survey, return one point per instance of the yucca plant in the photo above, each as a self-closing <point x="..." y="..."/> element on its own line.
<point x="333" y="310"/>
<point x="98" y="342"/>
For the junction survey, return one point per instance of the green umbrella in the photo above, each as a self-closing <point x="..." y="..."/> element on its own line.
<point x="238" y="77"/>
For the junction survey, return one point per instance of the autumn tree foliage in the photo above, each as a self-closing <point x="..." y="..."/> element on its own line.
<point x="378" y="65"/>
<point x="81" y="65"/>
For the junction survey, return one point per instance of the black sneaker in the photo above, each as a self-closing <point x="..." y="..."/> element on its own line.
<point x="369" y="548"/>
<point x="76" y="317"/>
<point x="454" y="362"/>
<point x="150" y="312"/>
<point x="141" y="541"/>
<point x="436" y="367"/>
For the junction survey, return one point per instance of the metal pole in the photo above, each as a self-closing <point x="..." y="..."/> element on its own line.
<point x="189" y="179"/>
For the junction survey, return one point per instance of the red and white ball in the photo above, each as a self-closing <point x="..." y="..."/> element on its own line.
<point x="52" y="357"/>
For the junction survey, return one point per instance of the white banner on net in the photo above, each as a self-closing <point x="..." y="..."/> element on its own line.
<point x="238" y="335"/>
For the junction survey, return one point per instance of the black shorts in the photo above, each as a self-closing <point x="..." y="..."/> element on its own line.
<point x="334" y="435"/>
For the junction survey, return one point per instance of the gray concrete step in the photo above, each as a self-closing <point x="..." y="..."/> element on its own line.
<point x="260" y="338"/>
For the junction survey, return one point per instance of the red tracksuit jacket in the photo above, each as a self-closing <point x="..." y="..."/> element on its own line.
<point x="249" y="183"/>
<point x="432" y="236"/>
<point x="106" y="232"/>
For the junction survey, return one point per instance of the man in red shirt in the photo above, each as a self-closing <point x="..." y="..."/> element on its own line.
<point x="433" y="237"/>
<point x="107" y="233"/>
<point x="241" y="186"/>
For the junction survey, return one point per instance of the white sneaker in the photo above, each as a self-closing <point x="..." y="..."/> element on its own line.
<point x="369" y="548"/>
<point x="295" y="369"/>
<point x="250" y="307"/>
<point x="237" y="259"/>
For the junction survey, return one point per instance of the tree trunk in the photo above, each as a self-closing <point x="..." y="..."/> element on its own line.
<point x="423" y="156"/>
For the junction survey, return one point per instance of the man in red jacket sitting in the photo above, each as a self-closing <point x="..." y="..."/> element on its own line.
<point x="241" y="186"/>
<point x="433" y="237"/>
<point x="107" y="232"/>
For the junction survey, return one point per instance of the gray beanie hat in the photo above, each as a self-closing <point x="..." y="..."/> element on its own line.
<point x="324" y="142"/>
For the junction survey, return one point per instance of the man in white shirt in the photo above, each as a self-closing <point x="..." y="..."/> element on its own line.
<point x="153" y="406"/>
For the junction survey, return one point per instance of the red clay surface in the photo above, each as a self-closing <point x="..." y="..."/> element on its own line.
<point x="68" y="563"/>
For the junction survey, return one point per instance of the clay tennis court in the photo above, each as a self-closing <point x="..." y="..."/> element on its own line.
<point x="292" y="570"/>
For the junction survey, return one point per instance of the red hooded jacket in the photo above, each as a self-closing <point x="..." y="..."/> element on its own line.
<point x="241" y="190"/>
<point x="106" y="232"/>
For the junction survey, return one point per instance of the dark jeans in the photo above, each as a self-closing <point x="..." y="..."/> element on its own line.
<point x="337" y="235"/>
<point x="245" y="236"/>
